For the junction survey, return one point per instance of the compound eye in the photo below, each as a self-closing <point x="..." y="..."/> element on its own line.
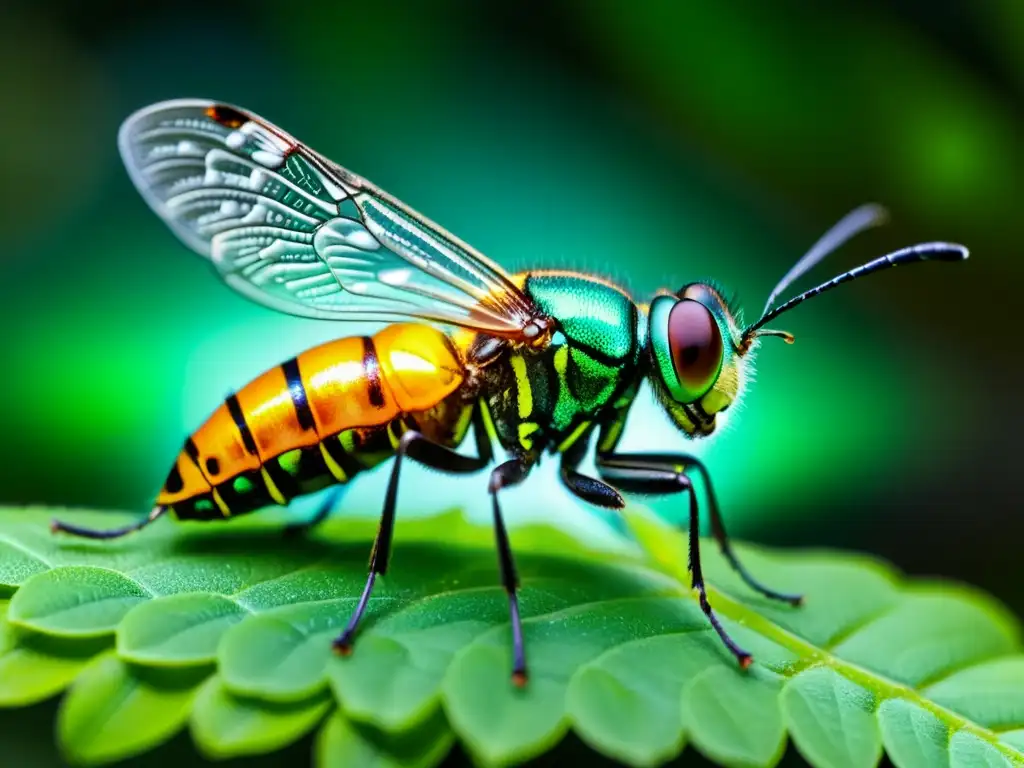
<point x="695" y="343"/>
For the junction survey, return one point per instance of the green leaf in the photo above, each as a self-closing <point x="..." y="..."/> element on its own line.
<point x="735" y="719"/>
<point x="34" y="667"/>
<point x="991" y="694"/>
<point x="620" y="708"/>
<point x="18" y="562"/>
<point x="1014" y="739"/>
<point x="225" y="725"/>
<point x="179" y="629"/>
<point x="114" y="710"/>
<point x="77" y="601"/>
<point x="228" y="628"/>
<point x="395" y="679"/>
<point x="283" y="655"/>
<point x="832" y="719"/>
<point x="503" y="724"/>
<point x="343" y="744"/>
<point x="932" y="631"/>
<point x="967" y="749"/>
<point x="913" y="736"/>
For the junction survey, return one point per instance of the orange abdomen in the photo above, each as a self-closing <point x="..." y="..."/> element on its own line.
<point x="316" y="419"/>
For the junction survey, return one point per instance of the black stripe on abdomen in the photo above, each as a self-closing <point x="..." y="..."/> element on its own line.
<point x="192" y="451"/>
<point x="298" y="392"/>
<point x="235" y="409"/>
<point x="371" y="367"/>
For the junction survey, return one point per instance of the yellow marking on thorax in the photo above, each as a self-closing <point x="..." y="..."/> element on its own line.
<point x="394" y="434"/>
<point x="462" y="425"/>
<point x="625" y="400"/>
<point x="574" y="436"/>
<point x="526" y="429"/>
<point x="612" y="436"/>
<point x="485" y="413"/>
<point x="524" y="397"/>
<point x="561" y="361"/>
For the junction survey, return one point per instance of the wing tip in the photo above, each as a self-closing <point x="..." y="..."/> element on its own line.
<point x="127" y="146"/>
<point x="220" y="111"/>
<point x="129" y="127"/>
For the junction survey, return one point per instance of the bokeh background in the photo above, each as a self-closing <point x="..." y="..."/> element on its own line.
<point x="654" y="143"/>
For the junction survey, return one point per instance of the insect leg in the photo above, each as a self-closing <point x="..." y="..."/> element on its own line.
<point x="431" y="454"/>
<point x="330" y="502"/>
<point x="114" y="533"/>
<point x="506" y="475"/>
<point x="631" y="473"/>
<point x="671" y="463"/>
<point x="587" y="488"/>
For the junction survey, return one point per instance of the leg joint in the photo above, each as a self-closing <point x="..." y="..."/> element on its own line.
<point x="408" y="439"/>
<point x="509" y="473"/>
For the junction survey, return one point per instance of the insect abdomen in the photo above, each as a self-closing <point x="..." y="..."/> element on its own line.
<point x="320" y="418"/>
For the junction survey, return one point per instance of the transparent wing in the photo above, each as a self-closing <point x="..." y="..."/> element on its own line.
<point x="294" y="231"/>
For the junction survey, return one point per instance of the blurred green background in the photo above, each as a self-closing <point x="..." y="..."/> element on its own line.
<point x="655" y="143"/>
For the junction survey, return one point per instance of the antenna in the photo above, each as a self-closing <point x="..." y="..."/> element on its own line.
<point x="853" y="223"/>
<point x="910" y="255"/>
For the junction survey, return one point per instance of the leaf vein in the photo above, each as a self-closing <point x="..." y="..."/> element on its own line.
<point x="280" y="577"/>
<point x="25" y="550"/>
<point x="974" y="661"/>
<point x="859" y="626"/>
<point x="600" y="659"/>
<point x="876" y="683"/>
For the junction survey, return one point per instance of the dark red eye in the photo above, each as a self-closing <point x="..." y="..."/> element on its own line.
<point x="696" y="346"/>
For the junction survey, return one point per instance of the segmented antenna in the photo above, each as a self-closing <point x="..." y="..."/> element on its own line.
<point x="853" y="223"/>
<point x="910" y="255"/>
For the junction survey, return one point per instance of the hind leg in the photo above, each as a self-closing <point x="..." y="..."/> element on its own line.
<point x="414" y="446"/>
<point x="114" y="533"/>
<point x="329" y="504"/>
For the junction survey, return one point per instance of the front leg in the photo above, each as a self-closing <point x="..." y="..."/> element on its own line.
<point x="664" y="473"/>
<point x="583" y="487"/>
<point x="660" y="474"/>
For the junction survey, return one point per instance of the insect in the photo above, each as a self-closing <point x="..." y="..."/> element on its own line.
<point x="540" y="362"/>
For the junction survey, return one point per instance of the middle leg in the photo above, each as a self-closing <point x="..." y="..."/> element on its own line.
<point x="583" y="487"/>
<point x="328" y="505"/>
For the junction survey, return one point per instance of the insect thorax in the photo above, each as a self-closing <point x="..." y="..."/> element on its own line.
<point x="537" y="399"/>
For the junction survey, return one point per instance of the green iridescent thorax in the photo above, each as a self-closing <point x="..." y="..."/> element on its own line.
<point x="546" y="399"/>
<point x="696" y="416"/>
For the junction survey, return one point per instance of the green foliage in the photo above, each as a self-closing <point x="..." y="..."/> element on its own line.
<point x="224" y="631"/>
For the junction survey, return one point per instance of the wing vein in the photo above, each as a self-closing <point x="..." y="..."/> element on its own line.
<point x="300" y="234"/>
